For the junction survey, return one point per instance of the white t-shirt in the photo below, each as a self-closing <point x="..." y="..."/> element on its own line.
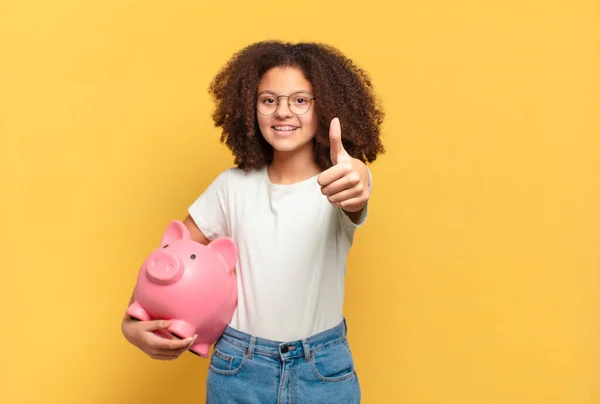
<point x="293" y="244"/>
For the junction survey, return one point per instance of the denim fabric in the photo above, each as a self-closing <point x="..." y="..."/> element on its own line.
<point x="319" y="369"/>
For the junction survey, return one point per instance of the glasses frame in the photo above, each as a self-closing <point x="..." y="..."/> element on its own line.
<point x="277" y="97"/>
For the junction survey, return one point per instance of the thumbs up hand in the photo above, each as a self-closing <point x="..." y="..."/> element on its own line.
<point x="346" y="184"/>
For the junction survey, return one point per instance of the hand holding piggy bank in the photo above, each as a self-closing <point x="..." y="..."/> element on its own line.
<point x="190" y="284"/>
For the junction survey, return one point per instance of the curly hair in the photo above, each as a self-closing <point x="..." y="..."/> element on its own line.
<point x="341" y="89"/>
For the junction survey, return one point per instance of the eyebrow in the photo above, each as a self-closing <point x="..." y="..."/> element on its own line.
<point x="274" y="93"/>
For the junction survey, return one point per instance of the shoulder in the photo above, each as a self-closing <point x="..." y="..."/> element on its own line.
<point x="237" y="175"/>
<point x="233" y="180"/>
<point x="227" y="175"/>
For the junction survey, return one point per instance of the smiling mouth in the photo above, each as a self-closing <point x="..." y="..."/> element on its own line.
<point x="285" y="128"/>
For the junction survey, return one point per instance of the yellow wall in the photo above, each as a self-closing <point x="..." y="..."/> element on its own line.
<point x="475" y="280"/>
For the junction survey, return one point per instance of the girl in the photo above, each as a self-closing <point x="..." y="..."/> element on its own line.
<point x="301" y="121"/>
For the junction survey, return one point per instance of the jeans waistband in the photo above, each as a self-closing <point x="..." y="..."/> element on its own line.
<point x="286" y="350"/>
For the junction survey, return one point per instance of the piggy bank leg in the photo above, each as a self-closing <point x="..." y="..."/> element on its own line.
<point x="181" y="329"/>
<point x="136" y="312"/>
<point x="164" y="334"/>
<point x="200" y="348"/>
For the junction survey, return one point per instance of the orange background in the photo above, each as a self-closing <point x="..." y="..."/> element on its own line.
<point x="475" y="280"/>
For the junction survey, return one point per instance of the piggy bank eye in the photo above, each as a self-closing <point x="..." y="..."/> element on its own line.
<point x="165" y="246"/>
<point x="193" y="256"/>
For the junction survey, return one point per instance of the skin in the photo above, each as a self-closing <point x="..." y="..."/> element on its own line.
<point x="345" y="184"/>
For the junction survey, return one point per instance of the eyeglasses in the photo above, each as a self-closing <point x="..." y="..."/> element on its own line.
<point x="299" y="103"/>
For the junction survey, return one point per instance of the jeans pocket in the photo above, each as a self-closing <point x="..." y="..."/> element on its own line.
<point x="227" y="359"/>
<point x="333" y="364"/>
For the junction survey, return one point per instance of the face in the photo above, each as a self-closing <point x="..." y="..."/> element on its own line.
<point x="285" y="130"/>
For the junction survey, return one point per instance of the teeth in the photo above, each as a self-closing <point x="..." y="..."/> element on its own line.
<point x="285" y="128"/>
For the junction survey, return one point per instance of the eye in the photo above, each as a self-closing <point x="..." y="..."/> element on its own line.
<point x="300" y="100"/>
<point x="165" y="246"/>
<point x="193" y="256"/>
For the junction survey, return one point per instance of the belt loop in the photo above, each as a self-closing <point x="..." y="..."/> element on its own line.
<point x="306" y="350"/>
<point x="345" y="328"/>
<point x="251" y="347"/>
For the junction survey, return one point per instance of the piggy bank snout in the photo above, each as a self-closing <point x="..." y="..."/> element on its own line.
<point x="163" y="269"/>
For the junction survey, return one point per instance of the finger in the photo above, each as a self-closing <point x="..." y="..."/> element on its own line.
<point x="174" y="344"/>
<point x="354" y="204"/>
<point x="332" y="174"/>
<point x="178" y="352"/>
<point x="183" y="343"/>
<point x="156" y="325"/>
<point x="348" y="181"/>
<point x="188" y="346"/>
<point x="175" y="353"/>
<point x="192" y="342"/>
<point x="345" y="195"/>
<point x="336" y="148"/>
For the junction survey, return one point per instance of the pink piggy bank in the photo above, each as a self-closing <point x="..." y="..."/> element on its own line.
<point x="191" y="284"/>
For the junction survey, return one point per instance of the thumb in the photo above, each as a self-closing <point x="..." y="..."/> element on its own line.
<point x="158" y="325"/>
<point x="337" y="151"/>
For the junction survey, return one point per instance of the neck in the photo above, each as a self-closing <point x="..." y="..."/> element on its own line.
<point x="294" y="166"/>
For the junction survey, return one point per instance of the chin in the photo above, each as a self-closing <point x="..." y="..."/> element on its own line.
<point x="285" y="146"/>
<point x="290" y="146"/>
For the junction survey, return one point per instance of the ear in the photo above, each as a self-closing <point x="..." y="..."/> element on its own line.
<point x="175" y="231"/>
<point x="227" y="250"/>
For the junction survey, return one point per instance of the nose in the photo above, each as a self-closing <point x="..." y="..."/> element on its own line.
<point x="163" y="269"/>
<point x="283" y="109"/>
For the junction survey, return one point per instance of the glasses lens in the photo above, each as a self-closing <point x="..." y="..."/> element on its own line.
<point x="266" y="104"/>
<point x="300" y="103"/>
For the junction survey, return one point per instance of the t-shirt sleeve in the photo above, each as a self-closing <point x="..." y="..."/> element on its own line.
<point x="349" y="224"/>
<point x="210" y="211"/>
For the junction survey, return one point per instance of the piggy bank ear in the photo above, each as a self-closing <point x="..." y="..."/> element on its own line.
<point x="175" y="231"/>
<point x="227" y="250"/>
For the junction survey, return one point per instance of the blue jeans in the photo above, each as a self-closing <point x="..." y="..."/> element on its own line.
<point x="318" y="369"/>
